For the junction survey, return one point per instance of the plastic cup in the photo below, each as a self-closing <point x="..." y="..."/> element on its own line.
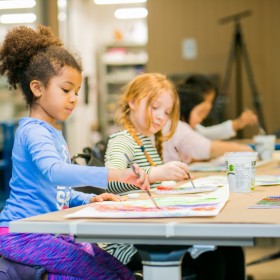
<point x="241" y="171"/>
<point x="265" y="145"/>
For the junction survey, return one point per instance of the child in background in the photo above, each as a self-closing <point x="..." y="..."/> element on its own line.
<point x="148" y="102"/>
<point x="50" y="78"/>
<point x="195" y="105"/>
<point x="228" y="128"/>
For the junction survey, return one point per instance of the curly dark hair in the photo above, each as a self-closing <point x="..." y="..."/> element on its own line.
<point x="27" y="54"/>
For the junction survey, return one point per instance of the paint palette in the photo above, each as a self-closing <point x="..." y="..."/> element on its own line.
<point x="183" y="190"/>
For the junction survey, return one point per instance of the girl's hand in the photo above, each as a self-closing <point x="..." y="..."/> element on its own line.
<point x="248" y="117"/>
<point x="173" y="170"/>
<point x="137" y="177"/>
<point x="107" y="197"/>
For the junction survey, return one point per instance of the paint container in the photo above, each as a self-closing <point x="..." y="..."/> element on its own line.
<point x="265" y="145"/>
<point x="241" y="171"/>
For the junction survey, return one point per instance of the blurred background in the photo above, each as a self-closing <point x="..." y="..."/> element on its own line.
<point x="177" y="38"/>
<point x="236" y="42"/>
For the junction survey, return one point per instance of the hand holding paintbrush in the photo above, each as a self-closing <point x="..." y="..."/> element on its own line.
<point x="189" y="176"/>
<point x="138" y="176"/>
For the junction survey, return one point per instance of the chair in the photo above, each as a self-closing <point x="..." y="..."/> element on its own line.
<point x="13" y="270"/>
<point x="8" y="135"/>
<point x="91" y="157"/>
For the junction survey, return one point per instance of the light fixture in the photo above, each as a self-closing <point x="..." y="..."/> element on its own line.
<point x="110" y="2"/>
<point x="62" y="3"/>
<point x="18" y="18"/>
<point x="129" y="13"/>
<point x="17" y="4"/>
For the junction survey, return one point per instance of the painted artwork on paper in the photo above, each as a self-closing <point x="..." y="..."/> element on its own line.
<point x="208" y="204"/>
<point x="205" y="184"/>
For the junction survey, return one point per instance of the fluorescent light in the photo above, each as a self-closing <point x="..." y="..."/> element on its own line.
<point x="17" y="4"/>
<point x="17" y="18"/>
<point x="129" y="13"/>
<point x="62" y="3"/>
<point x="108" y="2"/>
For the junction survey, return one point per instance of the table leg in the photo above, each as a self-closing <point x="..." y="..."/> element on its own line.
<point x="162" y="262"/>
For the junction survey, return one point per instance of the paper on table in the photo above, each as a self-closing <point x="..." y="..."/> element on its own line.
<point x="209" y="204"/>
<point x="269" y="202"/>
<point x="217" y="164"/>
<point x="267" y="180"/>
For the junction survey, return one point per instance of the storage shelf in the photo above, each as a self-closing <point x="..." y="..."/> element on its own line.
<point x="119" y="63"/>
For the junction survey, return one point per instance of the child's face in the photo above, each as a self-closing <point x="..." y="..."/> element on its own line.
<point x="59" y="98"/>
<point x="159" y="111"/>
<point x="201" y="111"/>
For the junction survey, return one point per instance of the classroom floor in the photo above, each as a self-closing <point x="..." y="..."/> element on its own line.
<point x="265" y="271"/>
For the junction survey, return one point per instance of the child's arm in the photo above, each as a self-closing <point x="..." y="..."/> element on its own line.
<point x="190" y="144"/>
<point x="130" y="177"/>
<point x="218" y="148"/>
<point x="46" y="158"/>
<point x="228" y="129"/>
<point x="115" y="159"/>
<point x="219" y="131"/>
<point x="247" y="117"/>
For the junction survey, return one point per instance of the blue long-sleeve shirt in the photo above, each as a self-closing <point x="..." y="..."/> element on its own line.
<point x="42" y="175"/>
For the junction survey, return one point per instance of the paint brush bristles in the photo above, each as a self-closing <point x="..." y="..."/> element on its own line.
<point x="189" y="176"/>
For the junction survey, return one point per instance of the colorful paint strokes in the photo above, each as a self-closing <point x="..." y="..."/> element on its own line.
<point x="208" y="204"/>
<point x="269" y="202"/>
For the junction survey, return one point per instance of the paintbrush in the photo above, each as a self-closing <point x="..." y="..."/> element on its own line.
<point x="138" y="176"/>
<point x="189" y="176"/>
<point x="261" y="130"/>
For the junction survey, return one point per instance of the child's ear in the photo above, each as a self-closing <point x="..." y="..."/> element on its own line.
<point x="36" y="88"/>
<point x="131" y="104"/>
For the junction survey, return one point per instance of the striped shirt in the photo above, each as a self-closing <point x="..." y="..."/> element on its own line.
<point x="123" y="143"/>
<point x="119" y="144"/>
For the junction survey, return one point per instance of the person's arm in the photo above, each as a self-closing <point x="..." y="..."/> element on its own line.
<point x="218" y="148"/>
<point x="46" y="158"/>
<point x="115" y="159"/>
<point x="228" y="129"/>
<point x="248" y="117"/>
<point x="220" y="131"/>
<point x="190" y="144"/>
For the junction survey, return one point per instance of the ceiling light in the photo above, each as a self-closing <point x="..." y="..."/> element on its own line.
<point x="129" y="13"/>
<point x="17" y="4"/>
<point x="108" y="2"/>
<point x="17" y="18"/>
<point x="62" y="3"/>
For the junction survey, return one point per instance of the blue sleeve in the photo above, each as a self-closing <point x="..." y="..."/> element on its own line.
<point x="79" y="198"/>
<point x="46" y="158"/>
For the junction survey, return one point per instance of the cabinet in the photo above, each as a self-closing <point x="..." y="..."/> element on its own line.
<point x="118" y="64"/>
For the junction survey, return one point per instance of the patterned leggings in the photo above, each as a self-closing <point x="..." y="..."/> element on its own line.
<point x="62" y="257"/>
